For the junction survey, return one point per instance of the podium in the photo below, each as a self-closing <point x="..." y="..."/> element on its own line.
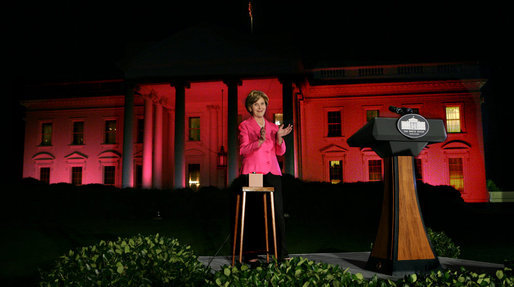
<point x="401" y="245"/>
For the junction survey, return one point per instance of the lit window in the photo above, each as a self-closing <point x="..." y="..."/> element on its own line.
<point x="194" y="128"/>
<point x="78" y="133"/>
<point x="44" y="174"/>
<point x="375" y="170"/>
<point x="456" y="173"/>
<point x="371" y="114"/>
<point x="453" y="117"/>
<point x="109" y="175"/>
<point x="110" y="132"/>
<point x="336" y="171"/>
<point x="334" y="124"/>
<point x="46" y="134"/>
<point x="278" y="119"/>
<point x="193" y="176"/>
<point x="76" y="175"/>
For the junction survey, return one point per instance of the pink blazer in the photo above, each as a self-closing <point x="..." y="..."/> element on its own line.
<point x="261" y="159"/>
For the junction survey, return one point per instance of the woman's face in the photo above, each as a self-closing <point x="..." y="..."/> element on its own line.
<point x="259" y="108"/>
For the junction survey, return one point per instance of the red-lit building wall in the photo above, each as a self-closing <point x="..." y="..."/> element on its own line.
<point x="60" y="155"/>
<point x="353" y="100"/>
<point x="314" y="148"/>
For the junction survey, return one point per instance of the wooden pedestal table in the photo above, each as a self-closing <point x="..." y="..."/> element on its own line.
<point x="266" y="191"/>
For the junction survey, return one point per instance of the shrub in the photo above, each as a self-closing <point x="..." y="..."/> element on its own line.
<point x="460" y="277"/>
<point x="295" y="272"/>
<point x="303" y="272"/>
<point x="491" y="186"/>
<point x="136" y="261"/>
<point x="443" y="245"/>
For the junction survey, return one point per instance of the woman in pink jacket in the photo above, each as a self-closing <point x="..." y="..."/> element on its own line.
<point x="260" y="142"/>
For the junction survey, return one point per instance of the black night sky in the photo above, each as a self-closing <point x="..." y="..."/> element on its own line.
<point x="84" y="40"/>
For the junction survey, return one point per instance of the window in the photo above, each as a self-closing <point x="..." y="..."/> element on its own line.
<point x="139" y="176"/>
<point x="193" y="175"/>
<point x="453" y="116"/>
<point x="336" y="171"/>
<point x="375" y="170"/>
<point x="140" y="130"/>
<point x="371" y="114"/>
<point x="46" y="134"/>
<point x="194" y="128"/>
<point x="78" y="133"/>
<point x="334" y="124"/>
<point x="76" y="175"/>
<point x="44" y="175"/>
<point x="109" y="175"/>
<point x="278" y="119"/>
<point x="456" y="173"/>
<point x="110" y="132"/>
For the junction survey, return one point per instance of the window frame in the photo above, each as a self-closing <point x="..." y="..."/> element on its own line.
<point x="104" y="174"/>
<point x="189" y="129"/>
<point x="189" y="165"/>
<point x="341" y="173"/>
<point x="73" y="132"/>
<point x="105" y="132"/>
<point x="49" y="173"/>
<point x="42" y="133"/>
<point x="278" y="118"/>
<point x="327" y="124"/>
<point x="72" y="175"/>
<point x="368" y="167"/>
<point x="462" y="172"/>
<point x="461" y="117"/>
<point x="366" y="108"/>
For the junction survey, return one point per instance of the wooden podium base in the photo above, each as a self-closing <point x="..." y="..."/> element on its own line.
<point x="401" y="245"/>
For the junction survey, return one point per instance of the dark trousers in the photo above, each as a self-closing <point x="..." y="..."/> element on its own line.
<point x="254" y="233"/>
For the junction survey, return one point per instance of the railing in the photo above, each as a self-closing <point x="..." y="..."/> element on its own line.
<point x="405" y="71"/>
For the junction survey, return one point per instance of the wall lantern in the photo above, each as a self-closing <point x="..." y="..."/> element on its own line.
<point x="222" y="158"/>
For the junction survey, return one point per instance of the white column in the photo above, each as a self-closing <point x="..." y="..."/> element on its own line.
<point x="180" y="114"/>
<point x="287" y="107"/>
<point x="157" y="147"/>
<point x="232" y="145"/>
<point x="128" y="140"/>
<point x="214" y="147"/>
<point x="148" y="144"/>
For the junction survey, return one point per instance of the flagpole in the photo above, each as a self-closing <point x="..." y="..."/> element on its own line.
<point x="251" y="15"/>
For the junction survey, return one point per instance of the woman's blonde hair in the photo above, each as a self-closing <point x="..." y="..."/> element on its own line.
<point x="253" y="97"/>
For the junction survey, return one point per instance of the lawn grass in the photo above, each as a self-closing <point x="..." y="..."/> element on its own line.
<point x="41" y="222"/>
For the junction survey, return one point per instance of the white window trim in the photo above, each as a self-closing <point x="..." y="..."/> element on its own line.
<point x="461" y="115"/>
<point x="326" y="110"/>
<point x="366" y="108"/>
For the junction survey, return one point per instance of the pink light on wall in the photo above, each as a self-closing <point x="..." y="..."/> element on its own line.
<point x="318" y="149"/>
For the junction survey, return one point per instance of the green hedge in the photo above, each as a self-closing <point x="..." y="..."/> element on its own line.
<point x="161" y="261"/>
<point x="135" y="261"/>
<point x="303" y="272"/>
<point x="442" y="244"/>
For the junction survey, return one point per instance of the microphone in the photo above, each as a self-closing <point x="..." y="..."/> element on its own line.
<point x="401" y="111"/>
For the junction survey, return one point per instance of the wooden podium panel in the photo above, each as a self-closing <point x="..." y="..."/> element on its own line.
<point x="401" y="245"/>
<point x="412" y="238"/>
